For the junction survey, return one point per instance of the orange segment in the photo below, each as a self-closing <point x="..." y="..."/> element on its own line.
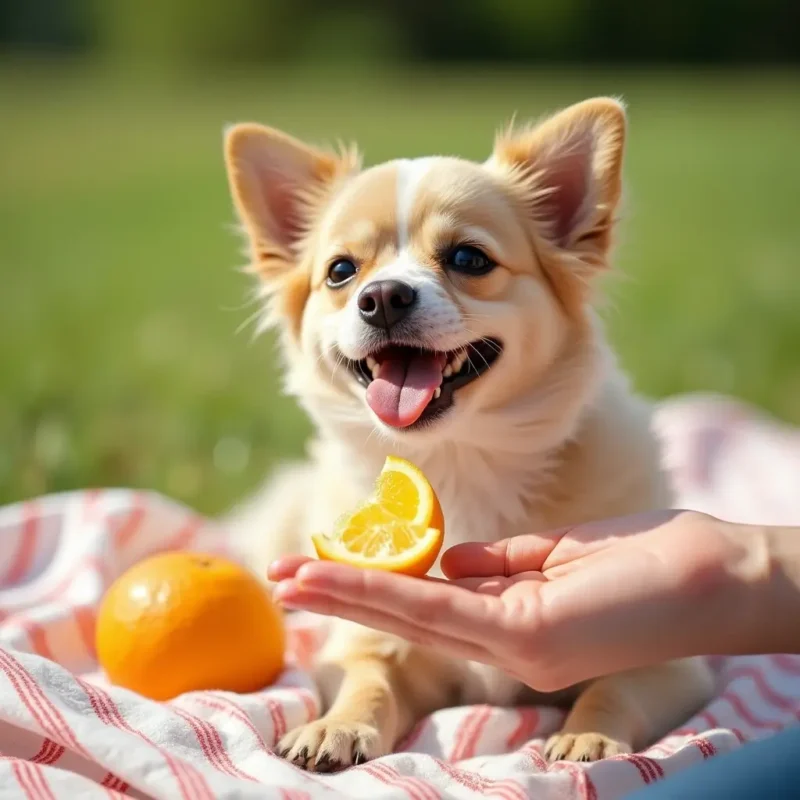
<point x="400" y="528"/>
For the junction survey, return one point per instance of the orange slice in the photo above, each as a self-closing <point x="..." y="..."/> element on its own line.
<point x="400" y="528"/>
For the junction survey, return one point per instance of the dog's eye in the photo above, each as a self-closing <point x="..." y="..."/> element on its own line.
<point x="469" y="260"/>
<point x="340" y="272"/>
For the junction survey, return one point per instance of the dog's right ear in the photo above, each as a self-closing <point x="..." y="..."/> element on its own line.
<point x="278" y="185"/>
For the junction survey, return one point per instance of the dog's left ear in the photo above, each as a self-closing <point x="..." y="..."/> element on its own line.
<point x="279" y="184"/>
<point x="568" y="171"/>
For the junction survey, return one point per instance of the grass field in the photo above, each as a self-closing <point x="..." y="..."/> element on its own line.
<point x="119" y="303"/>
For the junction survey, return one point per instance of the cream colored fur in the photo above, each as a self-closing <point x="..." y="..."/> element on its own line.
<point x="550" y="436"/>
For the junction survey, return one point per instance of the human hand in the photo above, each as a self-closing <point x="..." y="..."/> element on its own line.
<point x="556" y="608"/>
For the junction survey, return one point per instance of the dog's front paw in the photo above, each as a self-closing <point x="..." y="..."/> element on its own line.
<point x="583" y="747"/>
<point x="329" y="745"/>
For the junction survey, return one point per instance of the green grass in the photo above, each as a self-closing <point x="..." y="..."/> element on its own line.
<point x="119" y="302"/>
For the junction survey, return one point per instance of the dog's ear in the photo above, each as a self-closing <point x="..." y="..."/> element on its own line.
<point x="568" y="170"/>
<point x="278" y="185"/>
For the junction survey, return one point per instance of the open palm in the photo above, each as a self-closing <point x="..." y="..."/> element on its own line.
<point x="551" y="609"/>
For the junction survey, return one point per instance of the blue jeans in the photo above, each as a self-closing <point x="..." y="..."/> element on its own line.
<point x="762" y="770"/>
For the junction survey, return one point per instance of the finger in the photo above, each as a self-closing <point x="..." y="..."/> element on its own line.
<point x="295" y="597"/>
<point x="435" y="605"/>
<point x="507" y="557"/>
<point x="285" y="567"/>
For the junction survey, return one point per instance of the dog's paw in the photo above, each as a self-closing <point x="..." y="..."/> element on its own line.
<point x="329" y="745"/>
<point x="583" y="747"/>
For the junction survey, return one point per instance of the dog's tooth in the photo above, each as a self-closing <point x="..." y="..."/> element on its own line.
<point x="458" y="363"/>
<point x="375" y="369"/>
<point x="447" y="371"/>
<point x="437" y="393"/>
<point x="371" y="363"/>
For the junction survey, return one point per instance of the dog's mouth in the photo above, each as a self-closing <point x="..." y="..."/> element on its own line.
<point x="410" y="386"/>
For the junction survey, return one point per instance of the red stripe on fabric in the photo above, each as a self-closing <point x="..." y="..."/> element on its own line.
<point x="294" y="794"/>
<point x="39" y="780"/>
<point x="188" y="778"/>
<point x="51" y="710"/>
<point x="469" y="732"/>
<point x="20" y="770"/>
<point x="312" y="706"/>
<point x="506" y="790"/>
<point x="44" y="723"/>
<point x="741" y="709"/>
<point x="26" y="547"/>
<point x="204" y="745"/>
<point x="769" y="694"/>
<point x="222" y="703"/>
<point x="652" y="767"/>
<point x="212" y="745"/>
<point x="130" y="525"/>
<point x="644" y="773"/>
<point x="49" y="753"/>
<point x="49" y="717"/>
<point x="186" y="775"/>
<point x="700" y="745"/>
<point x="658" y="770"/>
<point x="423" y="786"/>
<point x="374" y="770"/>
<point x="534" y="755"/>
<point x="112" y="781"/>
<point x="709" y="719"/>
<point x="222" y="753"/>
<point x="787" y="663"/>
<point x="526" y="728"/>
<point x="277" y="716"/>
<point x="43" y="751"/>
<point x="410" y="784"/>
<point x="705" y="747"/>
<point x="583" y="784"/>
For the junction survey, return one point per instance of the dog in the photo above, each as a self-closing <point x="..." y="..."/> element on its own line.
<point x="444" y="311"/>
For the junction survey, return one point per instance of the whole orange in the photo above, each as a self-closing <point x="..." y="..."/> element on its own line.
<point x="180" y="622"/>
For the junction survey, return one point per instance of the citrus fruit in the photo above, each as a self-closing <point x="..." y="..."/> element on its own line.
<point x="179" y="622"/>
<point x="400" y="528"/>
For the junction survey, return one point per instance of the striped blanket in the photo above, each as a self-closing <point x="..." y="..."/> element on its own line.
<point x="64" y="733"/>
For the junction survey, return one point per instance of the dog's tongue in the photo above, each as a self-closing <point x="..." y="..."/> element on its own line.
<point x="406" y="383"/>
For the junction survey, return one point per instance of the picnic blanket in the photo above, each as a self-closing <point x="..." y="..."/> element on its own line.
<point x="64" y="733"/>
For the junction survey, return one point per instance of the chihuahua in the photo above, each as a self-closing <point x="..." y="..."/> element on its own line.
<point x="443" y="310"/>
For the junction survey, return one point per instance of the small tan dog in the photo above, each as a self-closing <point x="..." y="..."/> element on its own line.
<point x="439" y="309"/>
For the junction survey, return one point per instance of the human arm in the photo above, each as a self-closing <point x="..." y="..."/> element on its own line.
<point x="564" y="606"/>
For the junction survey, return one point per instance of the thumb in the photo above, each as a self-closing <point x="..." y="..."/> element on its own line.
<point x="506" y="557"/>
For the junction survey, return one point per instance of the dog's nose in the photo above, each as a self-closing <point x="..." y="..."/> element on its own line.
<point x="384" y="303"/>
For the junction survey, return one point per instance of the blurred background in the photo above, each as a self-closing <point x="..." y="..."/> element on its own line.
<point x="126" y="356"/>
